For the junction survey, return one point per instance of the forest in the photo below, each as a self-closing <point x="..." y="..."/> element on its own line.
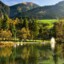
<point x="24" y="28"/>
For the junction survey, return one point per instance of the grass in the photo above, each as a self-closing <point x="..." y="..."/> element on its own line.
<point x="48" y="21"/>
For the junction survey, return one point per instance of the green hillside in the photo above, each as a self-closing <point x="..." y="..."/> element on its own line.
<point x="32" y="10"/>
<point x="50" y="21"/>
<point x="4" y="9"/>
<point x="45" y="12"/>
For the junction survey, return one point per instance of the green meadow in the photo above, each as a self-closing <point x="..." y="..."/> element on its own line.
<point x="49" y="21"/>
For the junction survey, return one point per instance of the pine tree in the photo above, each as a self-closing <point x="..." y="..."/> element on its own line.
<point x="0" y="23"/>
<point x="5" y="24"/>
<point x="33" y="26"/>
<point x="13" y="30"/>
<point x="25" y="23"/>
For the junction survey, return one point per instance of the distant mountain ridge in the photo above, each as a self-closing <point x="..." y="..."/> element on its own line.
<point x="4" y="9"/>
<point x="46" y="12"/>
<point x="22" y="7"/>
<point x="15" y="9"/>
<point x="32" y="10"/>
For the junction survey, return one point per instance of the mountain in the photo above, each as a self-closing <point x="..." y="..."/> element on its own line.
<point x="22" y="7"/>
<point x="46" y="12"/>
<point x="4" y="9"/>
<point x="32" y="10"/>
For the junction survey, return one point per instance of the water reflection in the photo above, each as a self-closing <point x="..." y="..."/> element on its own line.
<point x="54" y="50"/>
<point x="25" y="54"/>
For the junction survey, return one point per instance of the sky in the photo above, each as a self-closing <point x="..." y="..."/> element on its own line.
<point x="39" y="2"/>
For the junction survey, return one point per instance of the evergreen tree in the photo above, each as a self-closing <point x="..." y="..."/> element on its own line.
<point x="0" y="23"/>
<point x="25" y="23"/>
<point x="59" y="30"/>
<point x="33" y="26"/>
<point x="13" y="30"/>
<point x="5" y="24"/>
<point x="19" y="25"/>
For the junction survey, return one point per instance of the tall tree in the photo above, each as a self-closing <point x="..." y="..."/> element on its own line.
<point x="5" y="24"/>
<point x="59" y="28"/>
<point x="13" y="30"/>
<point x="25" y="23"/>
<point x="0" y="23"/>
<point x="33" y="26"/>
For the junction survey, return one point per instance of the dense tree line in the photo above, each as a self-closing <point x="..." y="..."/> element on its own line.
<point x="18" y="28"/>
<point x="23" y="28"/>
